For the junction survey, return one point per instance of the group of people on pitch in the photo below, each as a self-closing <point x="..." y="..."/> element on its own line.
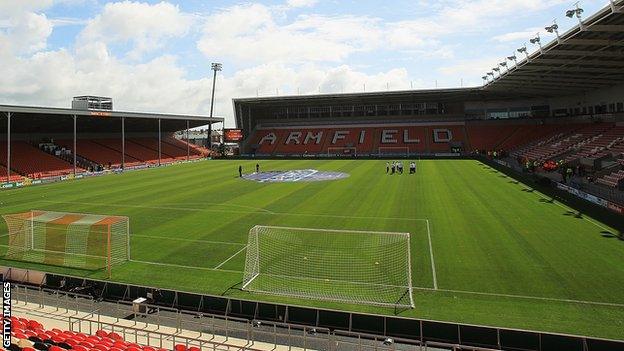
<point x="397" y="167"/>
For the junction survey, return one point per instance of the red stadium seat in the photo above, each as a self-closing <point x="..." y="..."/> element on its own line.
<point x="114" y="336"/>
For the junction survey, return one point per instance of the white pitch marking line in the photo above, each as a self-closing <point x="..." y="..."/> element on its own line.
<point x="187" y="240"/>
<point x="513" y="296"/>
<point x="572" y="209"/>
<point x="231" y="257"/>
<point x="528" y="297"/>
<point x="184" y="266"/>
<point x="433" y="269"/>
<point x="231" y="211"/>
<point x="414" y="287"/>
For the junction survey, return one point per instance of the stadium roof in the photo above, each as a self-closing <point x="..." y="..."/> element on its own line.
<point x="367" y="97"/>
<point x="589" y="56"/>
<point x="37" y="110"/>
<point x="35" y="119"/>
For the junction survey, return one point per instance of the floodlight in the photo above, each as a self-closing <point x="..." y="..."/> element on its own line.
<point x="553" y="28"/>
<point x="576" y="12"/>
<point x="512" y="58"/>
<point x="537" y="41"/>
<point x="504" y="64"/>
<point x="496" y="69"/>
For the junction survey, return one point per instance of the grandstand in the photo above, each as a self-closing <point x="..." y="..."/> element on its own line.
<point x="47" y="143"/>
<point x="562" y="103"/>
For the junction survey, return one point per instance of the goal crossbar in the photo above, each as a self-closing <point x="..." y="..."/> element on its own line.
<point x="352" y="266"/>
<point x="393" y="150"/>
<point x="335" y="150"/>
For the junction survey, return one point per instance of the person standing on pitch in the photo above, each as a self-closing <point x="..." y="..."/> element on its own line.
<point x="387" y="167"/>
<point x="257" y="168"/>
<point x="240" y="171"/>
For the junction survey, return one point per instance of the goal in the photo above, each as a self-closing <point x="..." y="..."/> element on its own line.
<point x="76" y="240"/>
<point x="393" y="151"/>
<point x="337" y="265"/>
<point x="341" y="151"/>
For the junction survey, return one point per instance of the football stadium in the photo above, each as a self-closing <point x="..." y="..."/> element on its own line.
<point x="471" y="218"/>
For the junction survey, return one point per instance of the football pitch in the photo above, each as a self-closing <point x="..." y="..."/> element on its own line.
<point x="485" y="248"/>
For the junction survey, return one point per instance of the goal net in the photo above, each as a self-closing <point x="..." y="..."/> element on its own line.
<point x="393" y="151"/>
<point x="77" y="240"/>
<point x="341" y="151"/>
<point x="338" y="265"/>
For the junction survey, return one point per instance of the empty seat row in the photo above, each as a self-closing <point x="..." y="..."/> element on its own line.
<point x="30" y="161"/>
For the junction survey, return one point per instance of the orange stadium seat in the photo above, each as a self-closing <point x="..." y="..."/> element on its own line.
<point x="97" y="153"/>
<point x="32" y="162"/>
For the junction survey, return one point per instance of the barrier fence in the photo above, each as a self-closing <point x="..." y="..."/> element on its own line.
<point x="213" y="332"/>
<point x="230" y="319"/>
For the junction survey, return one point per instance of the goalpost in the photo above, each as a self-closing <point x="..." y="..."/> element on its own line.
<point x="393" y="151"/>
<point x="76" y="240"/>
<point x="341" y="151"/>
<point x="336" y="265"/>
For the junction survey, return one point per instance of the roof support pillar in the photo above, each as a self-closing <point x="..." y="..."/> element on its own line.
<point x="159" y="140"/>
<point x="8" y="160"/>
<point x="188" y="146"/>
<point x="74" y="147"/>
<point x="123" y="143"/>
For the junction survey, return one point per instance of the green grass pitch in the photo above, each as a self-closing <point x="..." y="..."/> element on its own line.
<point x="484" y="249"/>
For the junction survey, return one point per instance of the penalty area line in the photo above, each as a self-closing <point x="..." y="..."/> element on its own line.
<point x="433" y="269"/>
<point x="258" y="210"/>
<point x="184" y="266"/>
<point x="231" y="257"/>
<point x="186" y="240"/>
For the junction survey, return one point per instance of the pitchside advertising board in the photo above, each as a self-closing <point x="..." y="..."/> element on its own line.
<point x="6" y="314"/>
<point x="592" y="198"/>
<point x="232" y="135"/>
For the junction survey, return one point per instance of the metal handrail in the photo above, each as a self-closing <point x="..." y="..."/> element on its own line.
<point x="150" y="335"/>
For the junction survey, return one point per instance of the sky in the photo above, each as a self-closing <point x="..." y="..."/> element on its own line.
<point x="155" y="56"/>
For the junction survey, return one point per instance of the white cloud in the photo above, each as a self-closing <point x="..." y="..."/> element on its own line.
<point x="250" y="33"/>
<point x="25" y="32"/>
<point x="469" y="68"/>
<point x="143" y="25"/>
<point x="301" y="3"/>
<point x="10" y="8"/>
<point x="517" y="36"/>
<point x="271" y="49"/>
